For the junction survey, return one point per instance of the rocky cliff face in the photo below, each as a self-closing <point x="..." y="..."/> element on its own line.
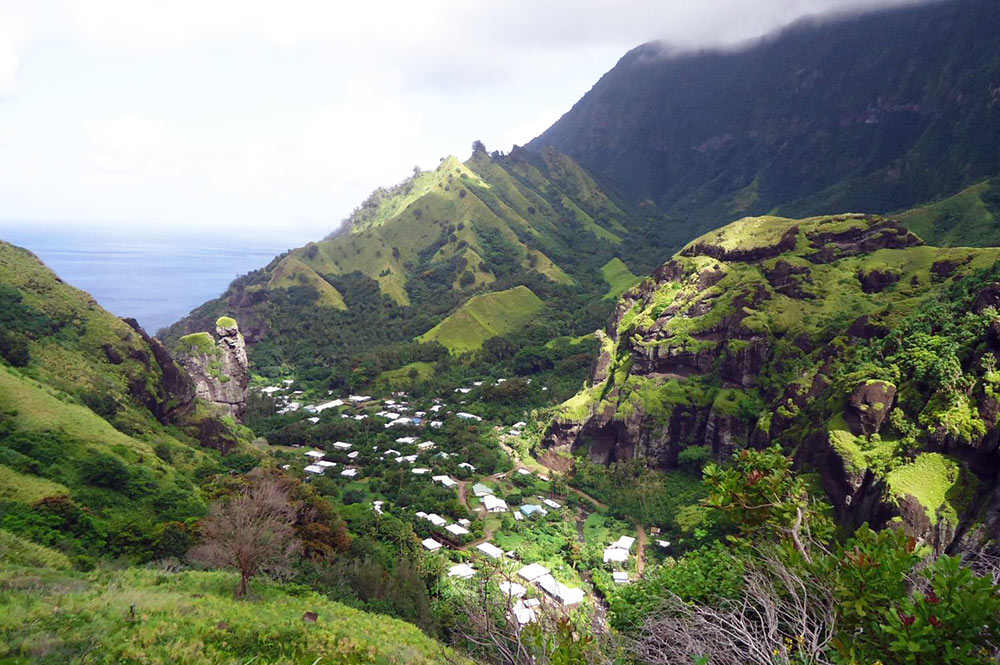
<point x="844" y="338"/>
<point x="218" y="366"/>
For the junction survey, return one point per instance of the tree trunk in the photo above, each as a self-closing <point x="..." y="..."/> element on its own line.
<point x="241" y="590"/>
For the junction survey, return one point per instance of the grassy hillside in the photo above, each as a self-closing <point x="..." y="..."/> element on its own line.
<point x="815" y="333"/>
<point x="619" y="278"/>
<point x="970" y="218"/>
<point x="413" y="254"/>
<point x="483" y="317"/>
<point x="150" y="616"/>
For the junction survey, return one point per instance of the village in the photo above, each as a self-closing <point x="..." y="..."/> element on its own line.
<point x="473" y="495"/>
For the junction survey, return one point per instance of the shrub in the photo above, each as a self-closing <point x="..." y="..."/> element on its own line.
<point x="103" y="470"/>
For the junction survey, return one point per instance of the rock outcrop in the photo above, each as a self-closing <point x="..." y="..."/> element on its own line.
<point x="218" y="366"/>
<point x="773" y="330"/>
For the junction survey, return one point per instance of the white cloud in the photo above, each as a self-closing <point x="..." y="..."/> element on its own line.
<point x="12" y="35"/>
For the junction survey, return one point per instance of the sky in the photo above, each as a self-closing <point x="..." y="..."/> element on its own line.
<point x="274" y="119"/>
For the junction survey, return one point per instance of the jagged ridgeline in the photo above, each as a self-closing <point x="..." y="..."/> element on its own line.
<point x="531" y="230"/>
<point x="846" y="338"/>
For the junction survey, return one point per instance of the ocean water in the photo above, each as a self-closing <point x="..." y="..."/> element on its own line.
<point x="153" y="280"/>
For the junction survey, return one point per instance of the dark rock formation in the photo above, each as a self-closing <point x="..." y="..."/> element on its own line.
<point x="868" y="407"/>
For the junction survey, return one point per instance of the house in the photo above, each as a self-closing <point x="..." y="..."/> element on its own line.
<point x="469" y="416"/>
<point x="437" y="424"/>
<point x="518" y="516"/>
<point x="620" y="577"/>
<point x="551" y="504"/>
<point x="420" y="414"/>
<point x="464" y="522"/>
<point x="350" y="473"/>
<point x="519" y="425"/>
<point x="288" y="382"/>
<point x="426" y="445"/>
<point x="430" y="544"/>
<point x="409" y="459"/>
<point x="523" y="613"/>
<point x="353" y="455"/>
<point x="313" y="420"/>
<point x="564" y="594"/>
<point x="532" y="572"/>
<point x="477" y="383"/>
<point x="436" y="519"/>
<point x="361" y="416"/>
<point x="398" y="422"/>
<point x="494" y="505"/>
<point x="419" y="471"/>
<point x="436" y="408"/>
<point x="530" y="509"/>
<point x="377" y="506"/>
<point x="490" y="550"/>
<point x="407" y="440"/>
<point x="543" y="478"/>
<point x="512" y="589"/>
<point x="466" y="465"/>
<point x="340" y="445"/>
<point x="456" y="530"/>
<point x="391" y="451"/>
<point x="326" y="465"/>
<point x="320" y="408"/>
<point x="315" y="454"/>
<point x="443" y="455"/>
<point x="462" y="571"/>
<point x="312" y="468"/>
<point x="270" y="390"/>
<point x="615" y="554"/>
<point x="357" y="399"/>
<point x="663" y="543"/>
<point x="524" y="472"/>
<point x="624" y="542"/>
<point x="464" y="391"/>
<point x="445" y="480"/>
<point x="481" y="490"/>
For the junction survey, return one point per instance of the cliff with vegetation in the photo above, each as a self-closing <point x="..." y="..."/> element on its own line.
<point x="218" y="368"/>
<point x="845" y="338"/>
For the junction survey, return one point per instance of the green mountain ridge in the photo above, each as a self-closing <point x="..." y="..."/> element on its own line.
<point x="875" y="112"/>
<point x="414" y="255"/>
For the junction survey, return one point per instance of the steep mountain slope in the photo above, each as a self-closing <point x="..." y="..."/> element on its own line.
<point x="970" y="218"/>
<point x="100" y="429"/>
<point x="877" y="112"/>
<point x="412" y="255"/>
<point x="846" y="338"/>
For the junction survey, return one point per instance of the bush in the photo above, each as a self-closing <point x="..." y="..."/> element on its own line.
<point x="103" y="470"/>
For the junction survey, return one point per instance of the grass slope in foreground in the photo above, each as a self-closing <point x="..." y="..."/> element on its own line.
<point x="149" y="616"/>
<point x="484" y="316"/>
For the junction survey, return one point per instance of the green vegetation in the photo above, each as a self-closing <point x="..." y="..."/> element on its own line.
<point x="199" y="343"/>
<point x="407" y="375"/>
<point x="618" y="277"/>
<point x="17" y="551"/>
<point x="225" y="322"/>
<point x="931" y="479"/>
<point x="970" y="218"/>
<point x="133" y="615"/>
<point x="485" y="316"/>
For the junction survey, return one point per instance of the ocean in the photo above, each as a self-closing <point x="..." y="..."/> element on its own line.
<point x="153" y="280"/>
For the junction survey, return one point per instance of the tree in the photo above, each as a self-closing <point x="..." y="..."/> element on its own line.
<point x="252" y="532"/>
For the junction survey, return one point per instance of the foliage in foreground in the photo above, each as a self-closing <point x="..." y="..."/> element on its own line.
<point x="149" y="616"/>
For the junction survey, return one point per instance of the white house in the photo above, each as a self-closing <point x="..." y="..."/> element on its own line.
<point x="320" y="408"/>
<point x="377" y="506"/>
<point x="340" y="445"/>
<point x="533" y="571"/>
<point x="406" y="440"/>
<point x="524" y="472"/>
<point x="350" y="473"/>
<point x="312" y="468"/>
<point x="353" y="455"/>
<point x="270" y="390"/>
<point x="512" y="589"/>
<point x="468" y="416"/>
<point x="615" y="554"/>
<point x="620" y="577"/>
<point x="436" y="519"/>
<point x="490" y="550"/>
<point x="524" y="613"/>
<point x="481" y="490"/>
<point x="464" y="391"/>
<point x="315" y="454"/>
<point x="456" y="530"/>
<point x="551" y="504"/>
<point x="391" y="451"/>
<point x="663" y="543"/>
<point x="445" y="480"/>
<point x="437" y="424"/>
<point x="326" y="465"/>
<point x="466" y="465"/>
<point x="430" y="544"/>
<point x="462" y="571"/>
<point x="419" y="471"/>
<point x="494" y="505"/>
<point x="564" y="594"/>
<point x="313" y="420"/>
<point x="398" y="422"/>
<point x="624" y="542"/>
<point x="409" y="459"/>
<point x="464" y="522"/>
<point x="357" y="399"/>
<point x="426" y="445"/>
